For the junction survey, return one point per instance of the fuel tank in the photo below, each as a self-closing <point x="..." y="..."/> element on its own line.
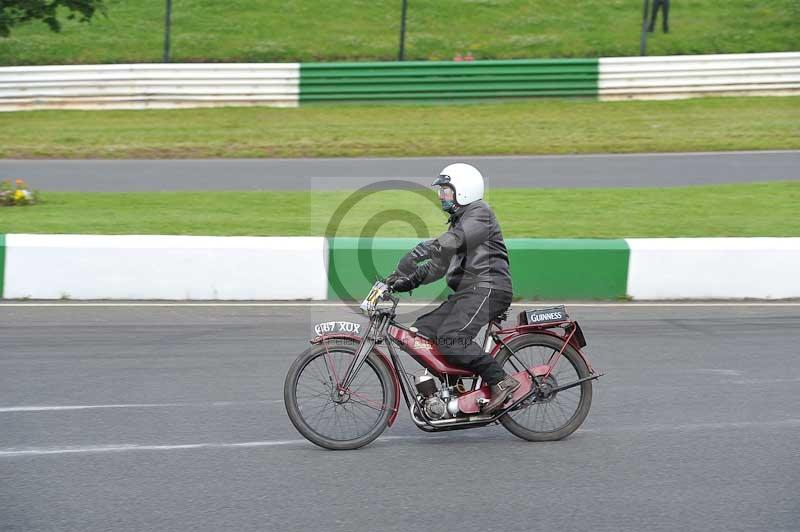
<point x="425" y="351"/>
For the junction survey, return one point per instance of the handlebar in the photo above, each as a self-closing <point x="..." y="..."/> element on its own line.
<point x="387" y="295"/>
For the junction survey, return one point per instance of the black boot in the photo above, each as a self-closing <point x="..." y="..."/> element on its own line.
<point x="500" y="393"/>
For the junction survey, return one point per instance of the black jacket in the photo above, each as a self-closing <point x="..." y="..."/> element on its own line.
<point x="472" y="253"/>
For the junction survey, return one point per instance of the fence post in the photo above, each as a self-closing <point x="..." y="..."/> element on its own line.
<point x="167" y="28"/>
<point x="403" y="31"/>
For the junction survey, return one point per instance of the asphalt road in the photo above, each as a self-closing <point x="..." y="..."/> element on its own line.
<point x="170" y="418"/>
<point x="636" y="170"/>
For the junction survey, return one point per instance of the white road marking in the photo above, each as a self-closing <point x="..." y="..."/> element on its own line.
<point x="189" y="446"/>
<point x="729" y="372"/>
<point x="51" y="408"/>
<point x="43" y="451"/>
<point x="698" y="426"/>
<point x="421" y="304"/>
<point x="134" y="447"/>
<point x="766" y="381"/>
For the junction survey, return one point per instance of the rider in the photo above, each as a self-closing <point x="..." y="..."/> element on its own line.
<point x="473" y="255"/>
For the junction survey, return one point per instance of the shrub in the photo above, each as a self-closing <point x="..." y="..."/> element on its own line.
<point x="16" y="194"/>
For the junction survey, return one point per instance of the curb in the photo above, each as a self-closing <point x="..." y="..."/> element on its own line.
<point x="176" y="268"/>
<point x="2" y="263"/>
<point x="541" y="268"/>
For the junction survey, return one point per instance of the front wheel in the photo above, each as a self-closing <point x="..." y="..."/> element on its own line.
<point x="333" y="418"/>
<point x="547" y="416"/>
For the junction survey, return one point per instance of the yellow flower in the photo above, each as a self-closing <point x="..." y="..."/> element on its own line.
<point x="19" y="194"/>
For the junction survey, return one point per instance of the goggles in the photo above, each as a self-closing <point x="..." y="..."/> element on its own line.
<point x="446" y="194"/>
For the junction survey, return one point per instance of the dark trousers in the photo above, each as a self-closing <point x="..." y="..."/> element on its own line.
<point x="454" y="324"/>
<point x="664" y="6"/>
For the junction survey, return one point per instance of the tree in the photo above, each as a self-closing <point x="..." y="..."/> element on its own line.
<point x="13" y="12"/>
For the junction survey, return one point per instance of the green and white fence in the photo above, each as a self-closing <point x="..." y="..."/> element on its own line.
<point x="141" y="86"/>
<point x="445" y="80"/>
<point x="316" y="268"/>
<point x="149" y="86"/>
<point x="687" y="76"/>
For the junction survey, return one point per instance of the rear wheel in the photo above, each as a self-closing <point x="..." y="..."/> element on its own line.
<point x="547" y="416"/>
<point x="328" y="418"/>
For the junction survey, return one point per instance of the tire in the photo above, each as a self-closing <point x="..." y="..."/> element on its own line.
<point x="307" y="366"/>
<point x="518" y="421"/>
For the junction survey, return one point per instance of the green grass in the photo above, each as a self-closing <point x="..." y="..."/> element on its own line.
<point x="768" y="209"/>
<point x="316" y="30"/>
<point x="529" y="127"/>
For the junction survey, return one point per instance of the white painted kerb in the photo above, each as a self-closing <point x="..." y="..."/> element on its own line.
<point x="710" y="268"/>
<point x="165" y="267"/>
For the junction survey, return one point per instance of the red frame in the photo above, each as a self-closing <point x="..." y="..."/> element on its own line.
<point x="420" y="348"/>
<point x="427" y="354"/>
<point x="568" y="338"/>
<point x="423" y="351"/>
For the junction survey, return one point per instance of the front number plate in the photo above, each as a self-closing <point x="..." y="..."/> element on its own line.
<point x="337" y="326"/>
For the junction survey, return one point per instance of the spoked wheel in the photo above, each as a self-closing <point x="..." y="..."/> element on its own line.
<point x="329" y="416"/>
<point x="547" y="415"/>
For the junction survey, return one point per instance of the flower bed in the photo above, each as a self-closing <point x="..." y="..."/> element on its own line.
<point x="16" y="194"/>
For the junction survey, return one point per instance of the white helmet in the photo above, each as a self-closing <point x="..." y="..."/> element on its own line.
<point x="465" y="179"/>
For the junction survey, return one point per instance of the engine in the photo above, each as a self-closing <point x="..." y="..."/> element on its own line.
<point x="437" y="404"/>
<point x="435" y="407"/>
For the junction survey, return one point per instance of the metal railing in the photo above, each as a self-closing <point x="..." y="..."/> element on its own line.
<point x="442" y="80"/>
<point x="288" y="84"/>
<point x="143" y="86"/>
<point x="685" y="76"/>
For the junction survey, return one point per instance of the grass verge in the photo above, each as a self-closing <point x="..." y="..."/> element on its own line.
<point x="257" y="31"/>
<point x="768" y="209"/>
<point x="501" y="128"/>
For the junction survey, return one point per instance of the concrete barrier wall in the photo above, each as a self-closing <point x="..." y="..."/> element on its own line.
<point x="713" y="268"/>
<point x="581" y="268"/>
<point x="165" y="267"/>
<point x="289" y="268"/>
<point x="355" y="263"/>
<point x="2" y="263"/>
<point x="541" y="268"/>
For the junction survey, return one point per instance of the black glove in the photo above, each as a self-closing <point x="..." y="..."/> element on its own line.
<point x="392" y="278"/>
<point x="403" y="284"/>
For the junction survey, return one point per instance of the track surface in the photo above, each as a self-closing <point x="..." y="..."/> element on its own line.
<point x="695" y="426"/>
<point x="637" y="170"/>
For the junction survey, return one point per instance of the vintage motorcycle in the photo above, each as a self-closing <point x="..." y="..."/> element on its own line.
<point x="344" y="391"/>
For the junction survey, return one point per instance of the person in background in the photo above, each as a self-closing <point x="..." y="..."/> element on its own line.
<point x="663" y="5"/>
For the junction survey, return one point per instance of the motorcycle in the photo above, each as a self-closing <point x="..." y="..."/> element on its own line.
<point x="344" y="391"/>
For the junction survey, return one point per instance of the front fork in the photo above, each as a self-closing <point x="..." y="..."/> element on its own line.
<point x="373" y="335"/>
